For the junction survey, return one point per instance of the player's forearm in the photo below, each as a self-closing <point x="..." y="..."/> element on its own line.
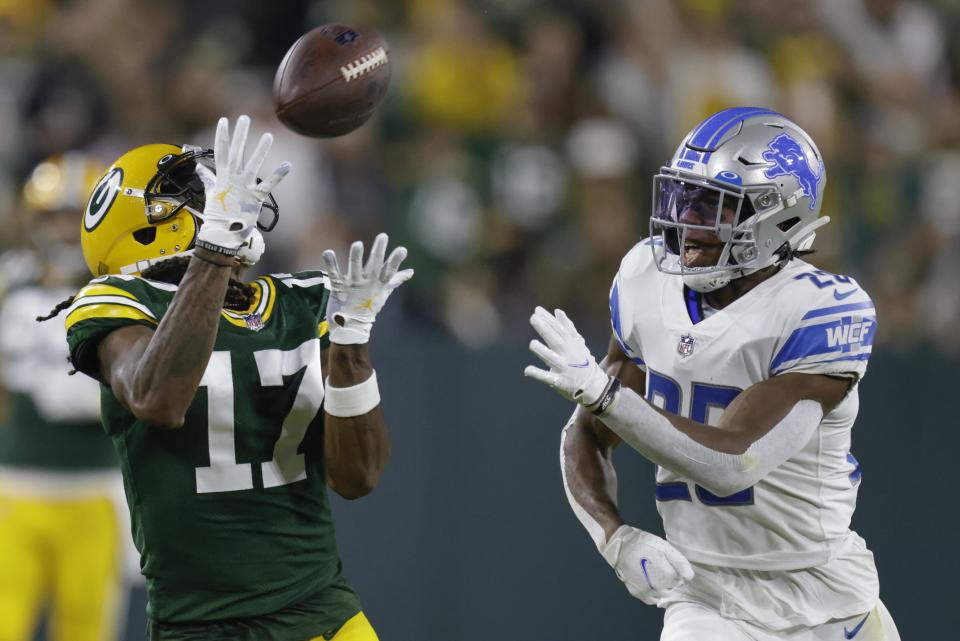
<point x="356" y="448"/>
<point x="589" y="480"/>
<point x="163" y="381"/>
<point x="710" y="456"/>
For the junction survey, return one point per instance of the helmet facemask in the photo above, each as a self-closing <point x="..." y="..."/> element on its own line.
<point x="176" y="186"/>
<point x="722" y="214"/>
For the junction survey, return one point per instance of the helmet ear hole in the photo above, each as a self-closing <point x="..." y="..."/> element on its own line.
<point x="145" y="235"/>
<point x="788" y="224"/>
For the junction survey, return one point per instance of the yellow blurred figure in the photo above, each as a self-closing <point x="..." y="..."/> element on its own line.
<point x="462" y="77"/>
<point x="59" y="482"/>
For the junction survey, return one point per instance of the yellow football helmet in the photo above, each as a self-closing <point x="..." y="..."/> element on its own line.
<point x="146" y="208"/>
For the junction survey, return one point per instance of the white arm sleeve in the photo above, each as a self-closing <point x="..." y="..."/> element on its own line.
<point x="643" y="428"/>
<point x="594" y="529"/>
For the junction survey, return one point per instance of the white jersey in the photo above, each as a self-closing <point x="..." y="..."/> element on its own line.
<point x="802" y="319"/>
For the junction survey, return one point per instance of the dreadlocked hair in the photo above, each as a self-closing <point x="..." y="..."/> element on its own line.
<point x="62" y="305"/>
<point x="239" y="295"/>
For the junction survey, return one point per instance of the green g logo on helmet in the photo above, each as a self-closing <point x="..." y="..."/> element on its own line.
<point x="104" y="194"/>
<point x="118" y="234"/>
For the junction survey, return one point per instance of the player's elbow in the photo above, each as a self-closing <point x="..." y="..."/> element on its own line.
<point x="157" y="413"/>
<point x="153" y="407"/>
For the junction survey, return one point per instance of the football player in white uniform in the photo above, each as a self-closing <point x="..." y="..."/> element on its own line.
<point x="734" y="367"/>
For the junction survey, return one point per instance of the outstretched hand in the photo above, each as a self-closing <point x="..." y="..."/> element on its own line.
<point x="357" y="295"/>
<point x="573" y="372"/>
<point x="233" y="194"/>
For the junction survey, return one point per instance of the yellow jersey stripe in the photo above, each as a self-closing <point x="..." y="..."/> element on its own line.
<point x="323" y="328"/>
<point x="105" y="310"/>
<point x="236" y="317"/>
<point x="271" y="290"/>
<point x="103" y="290"/>
<point x="263" y="303"/>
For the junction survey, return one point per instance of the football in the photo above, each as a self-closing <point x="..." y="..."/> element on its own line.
<point x="331" y="80"/>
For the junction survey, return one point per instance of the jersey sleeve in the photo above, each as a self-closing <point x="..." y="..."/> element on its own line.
<point x="629" y="275"/>
<point x="106" y="304"/>
<point x="313" y="287"/>
<point x="831" y="332"/>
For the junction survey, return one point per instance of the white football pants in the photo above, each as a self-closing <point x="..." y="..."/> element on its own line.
<point x="695" y="622"/>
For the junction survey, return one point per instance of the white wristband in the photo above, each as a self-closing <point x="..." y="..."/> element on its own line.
<point x="345" y="402"/>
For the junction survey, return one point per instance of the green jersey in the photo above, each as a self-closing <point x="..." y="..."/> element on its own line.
<point x="52" y="422"/>
<point x="230" y="512"/>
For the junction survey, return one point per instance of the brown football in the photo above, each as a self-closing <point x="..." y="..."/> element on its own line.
<point x="331" y="80"/>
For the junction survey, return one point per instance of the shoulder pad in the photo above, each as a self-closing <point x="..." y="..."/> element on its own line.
<point x="831" y="322"/>
<point x="116" y="297"/>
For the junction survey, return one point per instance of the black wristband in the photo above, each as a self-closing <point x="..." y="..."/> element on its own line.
<point x="217" y="249"/>
<point x="600" y="407"/>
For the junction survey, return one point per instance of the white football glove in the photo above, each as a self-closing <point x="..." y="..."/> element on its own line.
<point x="574" y="371"/>
<point x="233" y="194"/>
<point x="357" y="296"/>
<point x="648" y="565"/>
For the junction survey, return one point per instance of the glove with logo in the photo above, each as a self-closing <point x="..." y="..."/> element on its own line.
<point x="359" y="294"/>
<point x="574" y="372"/>
<point x="648" y="565"/>
<point x="234" y="195"/>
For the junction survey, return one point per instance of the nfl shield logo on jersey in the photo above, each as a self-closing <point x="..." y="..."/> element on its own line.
<point x="254" y="322"/>
<point x="685" y="346"/>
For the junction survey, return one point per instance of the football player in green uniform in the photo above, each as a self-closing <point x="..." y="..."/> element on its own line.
<point x="61" y="497"/>
<point x="212" y="389"/>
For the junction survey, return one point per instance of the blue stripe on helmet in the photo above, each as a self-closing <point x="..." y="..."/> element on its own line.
<point x="730" y="124"/>
<point x="712" y="129"/>
<point x="709" y="132"/>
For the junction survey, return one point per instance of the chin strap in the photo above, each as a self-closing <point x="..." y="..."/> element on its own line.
<point x="248" y="255"/>
<point x="141" y="265"/>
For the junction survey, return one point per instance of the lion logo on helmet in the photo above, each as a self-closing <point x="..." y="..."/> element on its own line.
<point x="788" y="159"/>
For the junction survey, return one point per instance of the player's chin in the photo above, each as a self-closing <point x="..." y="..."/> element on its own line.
<point x="700" y="256"/>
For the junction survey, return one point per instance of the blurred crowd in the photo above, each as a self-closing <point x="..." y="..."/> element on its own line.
<point x="515" y="150"/>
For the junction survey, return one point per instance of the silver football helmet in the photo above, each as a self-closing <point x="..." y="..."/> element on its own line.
<point x="750" y="176"/>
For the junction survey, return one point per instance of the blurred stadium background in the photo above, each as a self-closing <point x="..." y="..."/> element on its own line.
<point x="513" y="157"/>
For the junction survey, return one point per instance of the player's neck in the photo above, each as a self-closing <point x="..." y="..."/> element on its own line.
<point x="737" y="287"/>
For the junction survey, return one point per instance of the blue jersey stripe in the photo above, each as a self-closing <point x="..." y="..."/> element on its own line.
<point x="693" y="305"/>
<point x="864" y="356"/>
<point x="840" y="336"/>
<point x="743" y="497"/>
<point x="836" y="309"/>
<point x="615" y="317"/>
<point x="856" y="473"/>
<point x="673" y="492"/>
